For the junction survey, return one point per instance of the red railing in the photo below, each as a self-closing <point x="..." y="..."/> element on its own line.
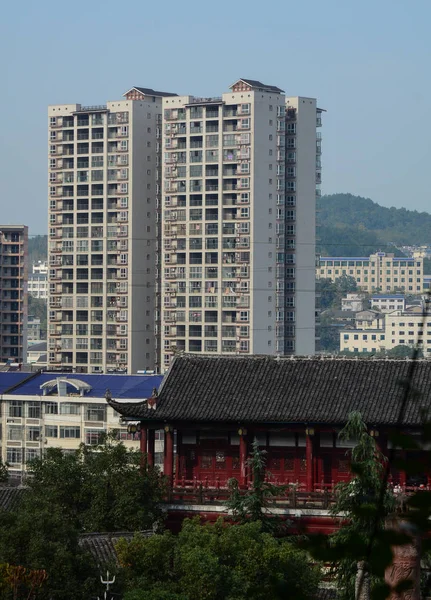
<point x="291" y="494"/>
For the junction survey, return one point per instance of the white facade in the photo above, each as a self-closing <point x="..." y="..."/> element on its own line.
<point x="38" y="281"/>
<point x="388" y="303"/>
<point x="29" y="424"/>
<point x="397" y="328"/>
<point x="103" y="195"/>
<point x="238" y="192"/>
<point x="353" y="302"/>
<point x="378" y="272"/>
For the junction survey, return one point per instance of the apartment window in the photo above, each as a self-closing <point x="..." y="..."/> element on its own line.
<point x="93" y="437"/>
<point x="14" y="433"/>
<point x="33" y="410"/>
<point x="51" y="431"/>
<point x="15" y="408"/>
<point x="67" y="408"/>
<point x="14" y="456"/>
<point x="51" y="408"/>
<point x="31" y="454"/>
<point x="33" y="434"/>
<point x="244" y="316"/>
<point x="70" y="432"/>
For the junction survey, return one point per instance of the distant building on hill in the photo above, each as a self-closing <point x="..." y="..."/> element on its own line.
<point x="378" y="272"/>
<point x="352" y="302"/>
<point x="38" y="281"/>
<point x="375" y="332"/>
<point x="389" y="302"/>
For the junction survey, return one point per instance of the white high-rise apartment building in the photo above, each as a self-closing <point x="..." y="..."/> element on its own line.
<point x="238" y="222"/>
<point x="103" y="192"/>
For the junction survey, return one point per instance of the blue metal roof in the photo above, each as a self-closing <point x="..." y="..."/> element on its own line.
<point x="8" y="379"/>
<point x="121" y="386"/>
<point x="385" y="296"/>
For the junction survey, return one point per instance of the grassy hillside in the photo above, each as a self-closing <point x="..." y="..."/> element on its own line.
<point x="352" y="225"/>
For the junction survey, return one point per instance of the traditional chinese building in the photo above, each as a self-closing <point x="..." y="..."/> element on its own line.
<point x="212" y="408"/>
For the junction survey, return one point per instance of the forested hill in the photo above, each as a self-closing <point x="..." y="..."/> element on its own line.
<point x="356" y="226"/>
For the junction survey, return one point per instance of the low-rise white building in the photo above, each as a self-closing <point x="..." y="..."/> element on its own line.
<point x="388" y="303"/>
<point x="398" y="328"/>
<point x="353" y="302"/>
<point x="46" y="410"/>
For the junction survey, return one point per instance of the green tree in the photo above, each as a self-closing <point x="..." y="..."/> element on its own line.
<point x="216" y="562"/>
<point x="102" y="488"/>
<point x="37" y="249"/>
<point x="254" y="504"/>
<point x="38" y="308"/>
<point x="403" y="351"/>
<point x="330" y="334"/>
<point x="357" y="500"/>
<point x="355" y="226"/>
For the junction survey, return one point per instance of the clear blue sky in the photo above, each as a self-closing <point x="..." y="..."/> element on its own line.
<point x="367" y="62"/>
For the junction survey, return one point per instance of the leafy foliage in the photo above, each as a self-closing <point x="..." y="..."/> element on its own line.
<point x="358" y="501"/>
<point x="254" y="504"/>
<point x="102" y="488"/>
<point x="38" y="308"/>
<point x="216" y="562"/>
<point x="332" y="291"/>
<point x="37" y="249"/>
<point x="356" y="226"/>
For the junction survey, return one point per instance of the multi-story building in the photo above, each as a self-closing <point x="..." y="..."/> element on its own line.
<point x="47" y="410"/>
<point x="38" y="281"/>
<point x="386" y="331"/>
<point x="377" y="272"/>
<point x="13" y="290"/>
<point x="238" y="212"/>
<point x="103" y="196"/>
<point x="388" y="302"/>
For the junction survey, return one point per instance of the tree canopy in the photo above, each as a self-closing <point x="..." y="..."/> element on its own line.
<point x="355" y="226"/>
<point x="216" y="562"/>
<point x="93" y="489"/>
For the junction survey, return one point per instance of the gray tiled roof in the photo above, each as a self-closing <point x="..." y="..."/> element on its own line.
<point x="258" y="84"/>
<point x="263" y="389"/>
<point x="150" y="92"/>
<point x="10" y="497"/>
<point x="102" y="545"/>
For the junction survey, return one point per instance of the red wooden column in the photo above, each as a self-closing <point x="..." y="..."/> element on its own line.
<point x="143" y="445"/>
<point x="309" y="456"/>
<point x="242" y="432"/>
<point x="178" y="460"/>
<point x="151" y="447"/>
<point x="168" y="462"/>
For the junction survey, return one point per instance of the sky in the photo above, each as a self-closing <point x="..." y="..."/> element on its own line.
<point x="367" y="63"/>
